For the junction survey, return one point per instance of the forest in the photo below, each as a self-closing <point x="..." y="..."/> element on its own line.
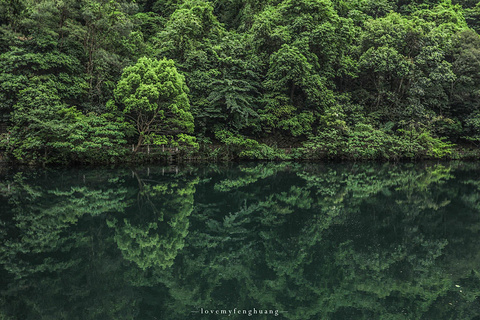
<point x="95" y="81"/>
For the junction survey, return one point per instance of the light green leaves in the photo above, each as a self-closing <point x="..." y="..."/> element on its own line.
<point x="153" y="95"/>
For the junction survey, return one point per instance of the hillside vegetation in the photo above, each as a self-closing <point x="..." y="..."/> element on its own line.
<point x="81" y="81"/>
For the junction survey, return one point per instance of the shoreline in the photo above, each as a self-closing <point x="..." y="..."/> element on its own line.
<point x="460" y="153"/>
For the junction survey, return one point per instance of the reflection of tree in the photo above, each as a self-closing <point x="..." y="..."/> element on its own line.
<point x="344" y="242"/>
<point x="390" y="268"/>
<point x="56" y="250"/>
<point x="153" y="238"/>
<point x="62" y="254"/>
<point x="42" y="222"/>
<point x="351" y="241"/>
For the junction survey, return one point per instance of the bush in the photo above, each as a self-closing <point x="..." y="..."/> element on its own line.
<point x="364" y="142"/>
<point x="238" y="146"/>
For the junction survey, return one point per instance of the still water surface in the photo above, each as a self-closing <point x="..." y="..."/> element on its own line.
<point x="295" y="241"/>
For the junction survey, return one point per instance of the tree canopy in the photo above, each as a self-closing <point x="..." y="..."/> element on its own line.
<point x="154" y="95"/>
<point x="269" y="79"/>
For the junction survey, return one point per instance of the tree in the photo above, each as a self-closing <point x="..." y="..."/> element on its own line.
<point x="187" y="29"/>
<point x="154" y="95"/>
<point x="111" y="40"/>
<point x="233" y="88"/>
<point x="297" y="92"/>
<point x="41" y="123"/>
<point x="45" y="129"/>
<point x="465" y="91"/>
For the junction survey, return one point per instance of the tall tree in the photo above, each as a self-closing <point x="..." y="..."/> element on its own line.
<point x="153" y="94"/>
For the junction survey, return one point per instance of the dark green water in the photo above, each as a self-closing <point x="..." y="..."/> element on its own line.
<point x="300" y="241"/>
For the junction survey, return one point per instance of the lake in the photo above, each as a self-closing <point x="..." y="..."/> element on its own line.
<point x="241" y="241"/>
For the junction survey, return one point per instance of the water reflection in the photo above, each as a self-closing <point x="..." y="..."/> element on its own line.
<point x="311" y="241"/>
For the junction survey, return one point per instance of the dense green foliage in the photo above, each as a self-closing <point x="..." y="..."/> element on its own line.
<point x="154" y="93"/>
<point x="321" y="241"/>
<point x="370" y="79"/>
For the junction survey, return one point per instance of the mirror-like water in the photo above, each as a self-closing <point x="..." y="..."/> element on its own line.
<point x="295" y="241"/>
